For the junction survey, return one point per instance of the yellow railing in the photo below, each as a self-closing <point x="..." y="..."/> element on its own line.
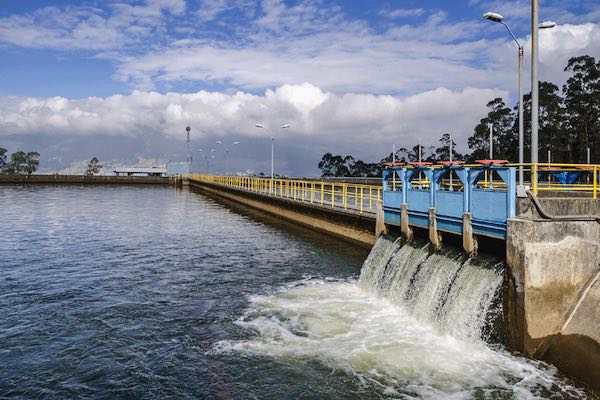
<point x="549" y="181"/>
<point x="351" y="197"/>
<point x="587" y="182"/>
<point x="361" y="198"/>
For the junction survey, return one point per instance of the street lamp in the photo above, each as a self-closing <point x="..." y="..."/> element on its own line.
<point x="207" y="157"/>
<point x="189" y="153"/>
<point x="272" y="150"/>
<point x="226" y="154"/>
<point x="495" y="17"/>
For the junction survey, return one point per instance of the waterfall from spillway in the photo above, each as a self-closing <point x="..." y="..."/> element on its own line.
<point x="458" y="297"/>
<point x="413" y="326"/>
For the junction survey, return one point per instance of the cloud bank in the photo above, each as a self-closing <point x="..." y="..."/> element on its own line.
<point x="361" y="124"/>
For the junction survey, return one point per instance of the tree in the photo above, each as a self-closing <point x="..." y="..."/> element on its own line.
<point x="504" y="137"/>
<point x="93" y="167"/>
<point x="582" y="102"/>
<point x="17" y="163"/>
<point x="427" y="154"/>
<point x="360" y="168"/>
<point x="442" y="153"/>
<point x="22" y="163"/>
<point x="552" y="128"/>
<point x="402" y="155"/>
<point x="413" y="154"/>
<point x="363" y="169"/>
<point x="31" y="162"/>
<point x="2" y="158"/>
<point x="331" y="165"/>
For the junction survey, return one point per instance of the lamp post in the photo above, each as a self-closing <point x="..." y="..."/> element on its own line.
<point x="491" y="126"/>
<point x="495" y="17"/>
<point x="206" y="157"/>
<point x="393" y="170"/>
<point x="189" y="154"/>
<point x="261" y="126"/>
<point x="451" y="151"/>
<point x="420" y="156"/>
<point x="226" y="154"/>
<point x="534" y="80"/>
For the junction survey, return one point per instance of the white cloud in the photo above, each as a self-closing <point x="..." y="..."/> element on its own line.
<point x="208" y="10"/>
<point x="275" y="43"/>
<point x="402" y="60"/>
<point x="563" y="42"/>
<point x="340" y="120"/>
<point x="402" y="12"/>
<point x="72" y="28"/>
<point x="556" y="46"/>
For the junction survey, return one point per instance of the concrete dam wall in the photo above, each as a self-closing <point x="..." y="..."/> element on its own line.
<point x="358" y="229"/>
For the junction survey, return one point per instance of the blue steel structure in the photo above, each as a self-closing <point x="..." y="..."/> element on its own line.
<point x="489" y="207"/>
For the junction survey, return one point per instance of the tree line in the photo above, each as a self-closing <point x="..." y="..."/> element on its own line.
<point x="569" y="125"/>
<point x="20" y="163"/>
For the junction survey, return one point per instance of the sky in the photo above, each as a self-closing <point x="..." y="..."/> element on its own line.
<point x="120" y="80"/>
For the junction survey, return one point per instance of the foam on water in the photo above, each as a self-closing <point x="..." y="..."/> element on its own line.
<point x="411" y="327"/>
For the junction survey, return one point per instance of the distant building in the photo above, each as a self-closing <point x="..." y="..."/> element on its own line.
<point x="136" y="171"/>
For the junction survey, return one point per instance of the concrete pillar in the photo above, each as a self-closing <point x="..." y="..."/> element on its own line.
<point x="380" y="227"/>
<point x="552" y="295"/>
<point x="434" y="236"/>
<point x="469" y="240"/>
<point x="407" y="232"/>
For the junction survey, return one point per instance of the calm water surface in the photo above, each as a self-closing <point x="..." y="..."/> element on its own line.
<point x="122" y="292"/>
<point x="147" y="292"/>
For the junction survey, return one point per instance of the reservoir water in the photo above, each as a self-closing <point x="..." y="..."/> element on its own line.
<point x="149" y="292"/>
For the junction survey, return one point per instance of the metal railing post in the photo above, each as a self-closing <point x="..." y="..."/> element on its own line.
<point x="361" y="199"/>
<point x="534" y="178"/>
<point x="332" y="195"/>
<point x="595" y="178"/>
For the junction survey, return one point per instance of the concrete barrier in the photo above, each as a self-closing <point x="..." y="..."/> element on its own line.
<point x="355" y="228"/>
<point x="82" y="180"/>
<point x="558" y="206"/>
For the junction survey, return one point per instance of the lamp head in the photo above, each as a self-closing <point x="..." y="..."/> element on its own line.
<point x="547" y="24"/>
<point x="286" y="126"/>
<point x="219" y="142"/>
<point x="236" y="142"/>
<point x="492" y="16"/>
<point x="259" y="126"/>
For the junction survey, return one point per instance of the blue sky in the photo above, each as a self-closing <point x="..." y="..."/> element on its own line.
<point x="349" y="76"/>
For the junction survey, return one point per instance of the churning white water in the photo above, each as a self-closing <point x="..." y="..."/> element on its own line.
<point x="410" y="327"/>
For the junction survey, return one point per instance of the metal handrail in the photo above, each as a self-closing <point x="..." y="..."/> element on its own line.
<point x="535" y="184"/>
<point x="349" y="197"/>
<point x="361" y="198"/>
